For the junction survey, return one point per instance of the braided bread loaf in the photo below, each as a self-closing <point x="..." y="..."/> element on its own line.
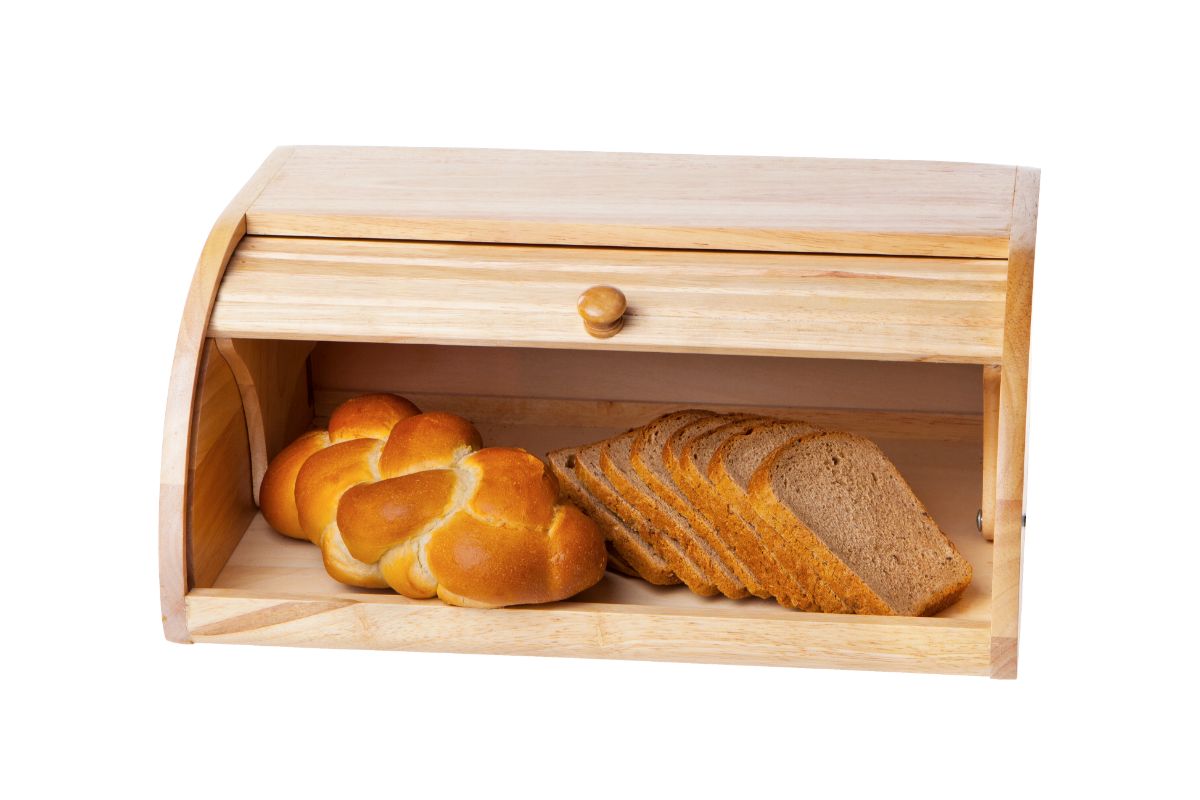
<point x="394" y="497"/>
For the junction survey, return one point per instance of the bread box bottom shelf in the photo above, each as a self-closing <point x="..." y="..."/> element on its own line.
<point x="274" y="590"/>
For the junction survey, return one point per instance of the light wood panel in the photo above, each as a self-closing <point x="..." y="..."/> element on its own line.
<point x="902" y="309"/>
<point x="641" y="200"/>
<point x="991" y="421"/>
<point x="274" y="590"/>
<point x="647" y="377"/>
<point x="174" y="500"/>
<point x="531" y="412"/>
<point x="219" y="476"/>
<point x="1010" y="432"/>
<point x="273" y="379"/>
<point x="901" y="644"/>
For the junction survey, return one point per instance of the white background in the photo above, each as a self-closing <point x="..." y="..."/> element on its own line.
<point x="127" y="129"/>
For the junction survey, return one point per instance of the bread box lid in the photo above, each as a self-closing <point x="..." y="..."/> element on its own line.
<point x="802" y="205"/>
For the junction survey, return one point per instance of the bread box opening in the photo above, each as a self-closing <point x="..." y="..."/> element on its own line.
<point x="256" y="395"/>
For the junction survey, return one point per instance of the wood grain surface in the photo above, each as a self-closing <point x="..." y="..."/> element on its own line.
<point x="582" y="630"/>
<point x="221" y="507"/>
<point x="1010" y="433"/>
<point x="991" y="422"/>
<point x="174" y="499"/>
<point x="602" y="375"/>
<point x="640" y="200"/>
<point x="904" y="309"/>
<point x="532" y="413"/>
<point x="272" y="377"/>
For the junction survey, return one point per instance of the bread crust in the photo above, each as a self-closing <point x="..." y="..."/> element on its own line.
<point x="794" y="558"/>
<point x="634" y="488"/>
<point x="628" y="553"/>
<point x="672" y="551"/>
<point x="369" y="416"/>
<point x="408" y="500"/>
<point x="654" y="567"/>
<point x="777" y="580"/>
<point x="858" y="594"/>
<point x="725" y="559"/>
<point x="277" y="494"/>
<point x="616" y="563"/>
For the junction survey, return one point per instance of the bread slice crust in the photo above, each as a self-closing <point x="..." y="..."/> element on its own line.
<point x="680" y="554"/>
<point x="630" y="553"/>
<point x="745" y="537"/>
<point x="616" y="563"/>
<point x="647" y="456"/>
<point x="798" y="559"/>
<point x="883" y="576"/>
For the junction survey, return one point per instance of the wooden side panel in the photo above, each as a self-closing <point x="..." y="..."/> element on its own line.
<point x="991" y="420"/>
<point x="173" y="500"/>
<point x="775" y="304"/>
<point x="273" y="379"/>
<point x="1010" y="435"/>
<point x="641" y="200"/>
<point x="221" y="507"/>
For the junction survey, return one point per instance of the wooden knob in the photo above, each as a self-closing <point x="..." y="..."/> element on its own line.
<point x="603" y="311"/>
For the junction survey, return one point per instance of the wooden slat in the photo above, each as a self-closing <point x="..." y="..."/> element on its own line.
<point x="1010" y="432"/>
<point x="641" y="200"/>
<point x="903" y="309"/>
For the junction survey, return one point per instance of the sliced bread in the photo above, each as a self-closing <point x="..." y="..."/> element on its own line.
<point x="841" y="494"/>
<point x="689" y="469"/>
<point x="649" y="456"/>
<point x="689" y="557"/>
<point x="634" y="550"/>
<point x="729" y="470"/>
<point x="618" y="564"/>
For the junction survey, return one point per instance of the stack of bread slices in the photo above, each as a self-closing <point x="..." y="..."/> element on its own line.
<point x="739" y="505"/>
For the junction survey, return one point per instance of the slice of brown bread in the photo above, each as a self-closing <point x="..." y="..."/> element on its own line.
<point x="841" y="492"/>
<point x="689" y="470"/>
<point x="683" y="551"/>
<point x="648" y="457"/>
<point x="634" y="551"/>
<point x="729" y="470"/>
<point x="617" y="564"/>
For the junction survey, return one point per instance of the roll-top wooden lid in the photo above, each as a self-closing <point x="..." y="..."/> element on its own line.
<point x="803" y="205"/>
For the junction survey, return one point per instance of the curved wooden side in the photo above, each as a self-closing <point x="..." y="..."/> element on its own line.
<point x="272" y="376"/>
<point x="1010" y="430"/>
<point x="220" y="504"/>
<point x="181" y="396"/>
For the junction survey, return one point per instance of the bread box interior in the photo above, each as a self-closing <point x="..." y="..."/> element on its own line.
<point x="318" y="295"/>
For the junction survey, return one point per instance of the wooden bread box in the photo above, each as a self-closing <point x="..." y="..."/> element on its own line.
<point x="883" y="297"/>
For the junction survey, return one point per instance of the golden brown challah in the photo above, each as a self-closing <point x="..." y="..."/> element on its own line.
<point x="394" y="497"/>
